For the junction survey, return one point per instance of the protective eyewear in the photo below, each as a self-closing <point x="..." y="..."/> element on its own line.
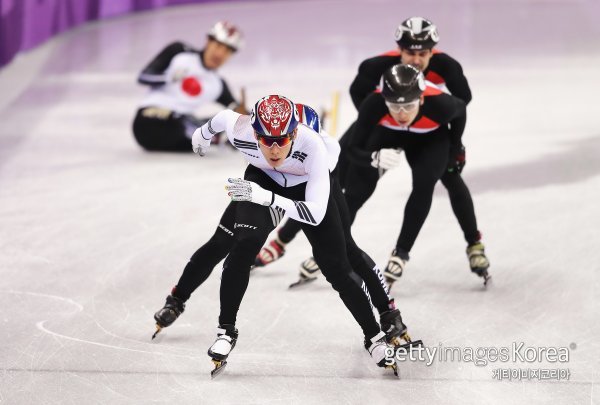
<point x="406" y="107"/>
<point x="269" y="141"/>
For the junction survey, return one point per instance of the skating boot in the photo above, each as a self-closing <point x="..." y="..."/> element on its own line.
<point x="378" y="348"/>
<point x="395" y="329"/>
<point x="226" y="338"/>
<point x="309" y="270"/>
<point x="395" y="266"/>
<point x="478" y="261"/>
<point x="271" y="252"/>
<point x="169" y="313"/>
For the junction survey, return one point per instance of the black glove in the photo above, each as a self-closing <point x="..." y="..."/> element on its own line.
<point x="457" y="160"/>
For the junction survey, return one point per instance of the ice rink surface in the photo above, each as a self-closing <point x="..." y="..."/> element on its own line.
<point x="94" y="232"/>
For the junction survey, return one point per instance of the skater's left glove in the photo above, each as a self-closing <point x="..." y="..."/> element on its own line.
<point x="244" y="190"/>
<point x="386" y="159"/>
<point x="457" y="159"/>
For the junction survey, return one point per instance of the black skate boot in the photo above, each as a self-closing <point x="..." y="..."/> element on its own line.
<point x="478" y="261"/>
<point x="380" y="351"/>
<point x="169" y="313"/>
<point x="395" y="329"/>
<point x="395" y="266"/>
<point x="309" y="270"/>
<point x="226" y="339"/>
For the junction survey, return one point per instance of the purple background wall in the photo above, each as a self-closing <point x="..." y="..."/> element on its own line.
<point x="27" y="23"/>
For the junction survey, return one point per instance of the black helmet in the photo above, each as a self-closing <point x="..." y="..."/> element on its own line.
<point x="402" y="84"/>
<point x="417" y="33"/>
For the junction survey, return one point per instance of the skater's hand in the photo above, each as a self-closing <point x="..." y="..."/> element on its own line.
<point x="457" y="160"/>
<point x="244" y="190"/>
<point x="200" y="143"/>
<point x="386" y="159"/>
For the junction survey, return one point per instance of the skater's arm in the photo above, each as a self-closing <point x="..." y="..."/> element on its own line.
<point x="456" y="82"/>
<point x="457" y="128"/>
<point x="367" y="79"/>
<point x="310" y="211"/>
<point x="223" y="121"/>
<point x="226" y="98"/>
<point x="154" y="73"/>
<point x="457" y="122"/>
<point x="361" y="86"/>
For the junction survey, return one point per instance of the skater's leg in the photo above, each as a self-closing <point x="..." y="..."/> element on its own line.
<point x="208" y="256"/>
<point x="462" y="205"/>
<point x="361" y="263"/>
<point x="275" y="249"/>
<point x="427" y="163"/>
<point x="253" y="223"/>
<point x="288" y="231"/>
<point x="329" y="250"/>
<point x="198" y="269"/>
<point x="157" y="129"/>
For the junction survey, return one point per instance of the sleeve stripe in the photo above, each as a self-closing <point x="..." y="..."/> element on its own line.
<point x="210" y="128"/>
<point x="304" y="212"/>
<point x="274" y="218"/>
<point x="312" y="219"/>
<point x="300" y="212"/>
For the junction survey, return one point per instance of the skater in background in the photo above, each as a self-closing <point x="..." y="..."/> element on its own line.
<point x="424" y="122"/>
<point x="288" y="173"/>
<point x="416" y="38"/>
<point x="182" y="79"/>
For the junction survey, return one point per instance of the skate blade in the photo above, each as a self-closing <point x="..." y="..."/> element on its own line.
<point x="397" y="342"/>
<point x="406" y="347"/>
<point x="158" y="329"/>
<point x="390" y="282"/>
<point x="219" y="368"/>
<point x="301" y="282"/>
<point x="394" y="368"/>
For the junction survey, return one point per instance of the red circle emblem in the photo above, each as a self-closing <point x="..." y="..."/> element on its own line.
<point x="191" y="86"/>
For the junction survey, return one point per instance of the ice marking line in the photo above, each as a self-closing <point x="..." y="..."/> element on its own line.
<point x="80" y="309"/>
<point x="40" y="326"/>
<point x="56" y="297"/>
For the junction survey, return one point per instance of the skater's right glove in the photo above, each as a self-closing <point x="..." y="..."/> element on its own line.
<point x="244" y="190"/>
<point x="457" y="159"/>
<point x="201" y="139"/>
<point x="386" y="159"/>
